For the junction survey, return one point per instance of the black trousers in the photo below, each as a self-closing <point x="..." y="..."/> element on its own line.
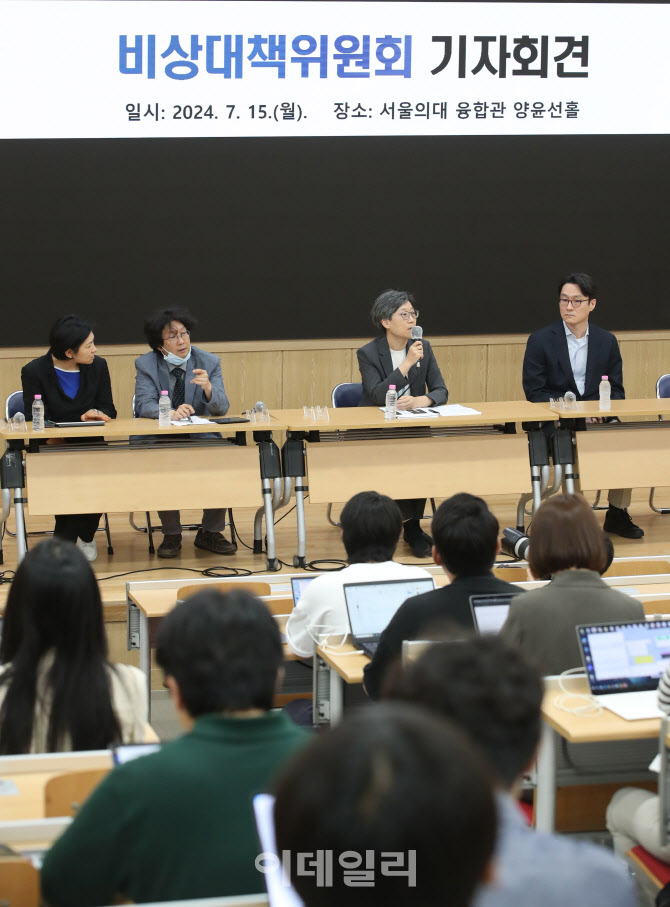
<point x="411" y="508"/>
<point x="71" y="526"/>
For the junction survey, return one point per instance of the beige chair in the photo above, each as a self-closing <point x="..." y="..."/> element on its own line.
<point x="19" y="882"/>
<point x="65" y="794"/>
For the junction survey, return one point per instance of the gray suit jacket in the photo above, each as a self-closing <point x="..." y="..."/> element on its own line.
<point x="542" y="622"/>
<point x="152" y="376"/>
<point x="377" y="372"/>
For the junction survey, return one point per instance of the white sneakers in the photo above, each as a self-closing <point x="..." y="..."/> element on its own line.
<point x="88" y="549"/>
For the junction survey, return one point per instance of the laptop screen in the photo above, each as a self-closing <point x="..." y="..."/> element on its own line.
<point x="489" y="612"/>
<point x="372" y="605"/>
<point x="624" y="657"/>
<point x="299" y="584"/>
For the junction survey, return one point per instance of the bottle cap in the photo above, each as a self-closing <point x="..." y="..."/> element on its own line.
<point x="604" y="378"/>
<point x="163" y="392"/>
<point x="391" y="387"/>
<point x="38" y="396"/>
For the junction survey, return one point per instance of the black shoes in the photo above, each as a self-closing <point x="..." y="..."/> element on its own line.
<point x="618" y="522"/>
<point x="170" y="546"/>
<point x="418" y="540"/>
<point x="214" y="542"/>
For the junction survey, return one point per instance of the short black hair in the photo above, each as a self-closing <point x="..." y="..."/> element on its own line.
<point x="489" y="689"/>
<point x="390" y="779"/>
<point x="371" y="526"/>
<point x="387" y="304"/>
<point x="224" y="651"/>
<point x="465" y="533"/>
<point x="585" y="283"/>
<point x="155" y="324"/>
<point x="68" y="333"/>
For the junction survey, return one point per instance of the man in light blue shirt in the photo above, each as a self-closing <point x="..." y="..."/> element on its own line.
<point x="494" y="695"/>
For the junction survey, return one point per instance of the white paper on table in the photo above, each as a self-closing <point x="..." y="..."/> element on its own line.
<point x="194" y="420"/>
<point x="455" y="409"/>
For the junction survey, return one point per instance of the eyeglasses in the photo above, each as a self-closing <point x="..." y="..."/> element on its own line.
<point x="407" y="316"/>
<point x="575" y="303"/>
<point x="172" y="338"/>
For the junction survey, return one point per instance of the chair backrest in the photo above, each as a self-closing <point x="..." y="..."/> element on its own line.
<point x="347" y="394"/>
<point x="253" y="587"/>
<point x="19" y="882"/>
<point x="65" y="794"/>
<point x="663" y="386"/>
<point x="14" y="404"/>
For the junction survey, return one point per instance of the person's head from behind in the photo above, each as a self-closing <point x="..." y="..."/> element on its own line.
<point x="54" y="608"/>
<point x="71" y="339"/>
<point x="390" y="779"/>
<point x="565" y="535"/>
<point x="168" y="331"/>
<point x="489" y="690"/>
<point x="371" y="526"/>
<point x="465" y="535"/>
<point x="221" y="654"/>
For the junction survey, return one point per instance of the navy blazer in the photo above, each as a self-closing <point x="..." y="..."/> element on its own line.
<point x="95" y="390"/>
<point x="377" y="373"/>
<point x="152" y="376"/>
<point x="547" y="371"/>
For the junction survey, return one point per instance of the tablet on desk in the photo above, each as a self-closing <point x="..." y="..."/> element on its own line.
<point x="93" y="422"/>
<point x="226" y="420"/>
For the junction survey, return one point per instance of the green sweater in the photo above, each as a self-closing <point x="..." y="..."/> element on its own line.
<point x="175" y="824"/>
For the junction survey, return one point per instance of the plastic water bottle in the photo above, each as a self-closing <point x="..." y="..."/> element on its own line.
<point x="164" y="408"/>
<point x="391" y="410"/>
<point x="38" y="413"/>
<point x="605" y="393"/>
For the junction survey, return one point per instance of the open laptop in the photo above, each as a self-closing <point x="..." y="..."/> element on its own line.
<point x="489" y="612"/>
<point x="372" y="605"/>
<point x="624" y="662"/>
<point x="298" y="586"/>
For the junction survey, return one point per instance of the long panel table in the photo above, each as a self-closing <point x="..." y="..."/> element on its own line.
<point x="621" y="454"/>
<point x="126" y="465"/>
<point x="358" y="449"/>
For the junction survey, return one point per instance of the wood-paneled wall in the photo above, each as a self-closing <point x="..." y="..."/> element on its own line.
<point x="286" y="374"/>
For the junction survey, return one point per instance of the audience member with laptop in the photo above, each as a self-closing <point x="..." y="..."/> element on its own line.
<point x="465" y="545"/>
<point x="371" y="527"/>
<point x="566" y="547"/>
<point x="493" y="693"/>
<point x="179" y="823"/>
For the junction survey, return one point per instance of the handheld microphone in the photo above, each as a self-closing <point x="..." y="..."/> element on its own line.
<point x="417" y="334"/>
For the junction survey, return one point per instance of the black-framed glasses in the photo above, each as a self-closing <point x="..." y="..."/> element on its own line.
<point x="575" y="303"/>
<point x="407" y="316"/>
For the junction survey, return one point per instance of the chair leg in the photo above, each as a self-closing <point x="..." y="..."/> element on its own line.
<point x="329" y="516"/>
<point x="653" y="506"/>
<point x="110" y="550"/>
<point x="595" y="506"/>
<point x="432" y="504"/>
<point x="150" y="533"/>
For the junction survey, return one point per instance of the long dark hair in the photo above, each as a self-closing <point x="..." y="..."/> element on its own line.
<point x="54" y="606"/>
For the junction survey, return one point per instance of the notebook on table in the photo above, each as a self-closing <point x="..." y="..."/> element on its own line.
<point x="624" y="662"/>
<point x="489" y="612"/>
<point x="372" y="605"/>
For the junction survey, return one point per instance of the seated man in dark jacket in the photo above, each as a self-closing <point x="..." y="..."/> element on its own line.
<point x="465" y="545"/>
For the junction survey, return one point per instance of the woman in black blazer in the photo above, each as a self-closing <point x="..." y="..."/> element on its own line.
<point x="393" y="358"/>
<point x="75" y="386"/>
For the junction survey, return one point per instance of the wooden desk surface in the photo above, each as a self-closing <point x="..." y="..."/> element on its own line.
<point x="372" y="417"/>
<point x="124" y="428"/>
<point x="621" y="408"/>
<point x="604" y="726"/>
<point x="156" y="603"/>
<point x="346" y="660"/>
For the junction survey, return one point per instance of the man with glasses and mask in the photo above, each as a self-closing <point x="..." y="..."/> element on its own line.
<point x="573" y="355"/>
<point x="193" y="379"/>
